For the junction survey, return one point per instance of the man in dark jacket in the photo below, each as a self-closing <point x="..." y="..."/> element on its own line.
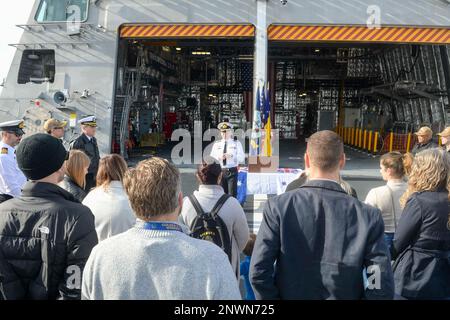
<point x="46" y="236"/>
<point x="424" y="140"/>
<point x="317" y="242"/>
<point x="88" y="143"/>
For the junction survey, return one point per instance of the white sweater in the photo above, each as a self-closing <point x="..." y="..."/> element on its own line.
<point x="381" y="198"/>
<point x="111" y="209"/>
<point x="231" y="213"/>
<point x="144" y="264"/>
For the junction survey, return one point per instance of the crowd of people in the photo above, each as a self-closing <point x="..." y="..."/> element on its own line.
<point x="77" y="226"/>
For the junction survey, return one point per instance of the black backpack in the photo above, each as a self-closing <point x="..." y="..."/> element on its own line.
<point x="209" y="226"/>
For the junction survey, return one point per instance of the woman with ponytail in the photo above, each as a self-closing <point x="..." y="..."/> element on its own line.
<point x="393" y="168"/>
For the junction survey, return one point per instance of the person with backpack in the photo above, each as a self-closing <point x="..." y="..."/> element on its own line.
<point x="227" y="225"/>
<point x="156" y="259"/>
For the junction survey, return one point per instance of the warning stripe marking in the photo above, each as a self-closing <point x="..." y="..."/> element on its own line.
<point x="359" y="34"/>
<point x="187" y="30"/>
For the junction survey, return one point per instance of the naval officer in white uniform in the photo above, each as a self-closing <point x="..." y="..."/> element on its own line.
<point x="11" y="178"/>
<point x="229" y="153"/>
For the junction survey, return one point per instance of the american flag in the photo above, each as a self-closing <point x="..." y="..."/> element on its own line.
<point x="247" y="88"/>
<point x="247" y="76"/>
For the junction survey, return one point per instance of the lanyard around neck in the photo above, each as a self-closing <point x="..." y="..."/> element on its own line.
<point x="160" y="226"/>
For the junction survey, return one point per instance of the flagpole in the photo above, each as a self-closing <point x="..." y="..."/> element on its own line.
<point x="260" y="63"/>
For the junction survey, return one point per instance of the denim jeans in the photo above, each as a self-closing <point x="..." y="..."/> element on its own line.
<point x="389" y="238"/>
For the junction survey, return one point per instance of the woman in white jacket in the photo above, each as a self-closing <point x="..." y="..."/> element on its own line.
<point x="393" y="167"/>
<point x="232" y="214"/>
<point x="108" y="201"/>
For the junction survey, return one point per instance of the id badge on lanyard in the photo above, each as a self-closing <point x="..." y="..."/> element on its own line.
<point x="160" y="226"/>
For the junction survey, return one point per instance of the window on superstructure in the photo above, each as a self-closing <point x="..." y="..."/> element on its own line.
<point x="62" y="11"/>
<point x="37" y="66"/>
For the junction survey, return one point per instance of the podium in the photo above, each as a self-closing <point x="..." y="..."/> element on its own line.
<point x="255" y="188"/>
<point x="262" y="164"/>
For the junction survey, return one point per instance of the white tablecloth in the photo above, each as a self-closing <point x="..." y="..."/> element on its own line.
<point x="264" y="183"/>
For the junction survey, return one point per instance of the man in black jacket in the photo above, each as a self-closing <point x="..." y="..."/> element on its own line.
<point x="88" y="143"/>
<point x="424" y="140"/>
<point x="46" y="236"/>
<point x="317" y="242"/>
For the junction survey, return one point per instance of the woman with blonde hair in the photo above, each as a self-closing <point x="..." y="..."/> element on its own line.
<point x="408" y="159"/>
<point x="108" y="201"/>
<point x="76" y="168"/>
<point x="393" y="169"/>
<point x="421" y="247"/>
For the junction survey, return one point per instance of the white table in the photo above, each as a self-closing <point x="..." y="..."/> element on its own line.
<point x="255" y="188"/>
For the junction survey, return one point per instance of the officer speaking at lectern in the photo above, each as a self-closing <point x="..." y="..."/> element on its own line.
<point x="229" y="153"/>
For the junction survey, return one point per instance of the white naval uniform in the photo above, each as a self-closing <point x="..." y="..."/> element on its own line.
<point x="230" y="168"/>
<point x="12" y="178"/>
<point x="234" y="147"/>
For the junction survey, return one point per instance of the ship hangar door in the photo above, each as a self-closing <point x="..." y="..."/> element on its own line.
<point x="353" y="76"/>
<point x="170" y="75"/>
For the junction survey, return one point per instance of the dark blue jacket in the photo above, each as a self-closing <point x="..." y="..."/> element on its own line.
<point x="422" y="247"/>
<point x="90" y="147"/>
<point x="321" y="239"/>
<point x="418" y="147"/>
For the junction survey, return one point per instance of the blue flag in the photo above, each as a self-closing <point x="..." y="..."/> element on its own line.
<point x="257" y="116"/>
<point x="255" y="141"/>
<point x="266" y="112"/>
<point x="262" y="102"/>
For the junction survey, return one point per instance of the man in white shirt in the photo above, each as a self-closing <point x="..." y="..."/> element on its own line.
<point x="229" y="153"/>
<point x="11" y="178"/>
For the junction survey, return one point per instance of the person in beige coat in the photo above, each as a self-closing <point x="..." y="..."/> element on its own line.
<point x="209" y="192"/>
<point x="393" y="168"/>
